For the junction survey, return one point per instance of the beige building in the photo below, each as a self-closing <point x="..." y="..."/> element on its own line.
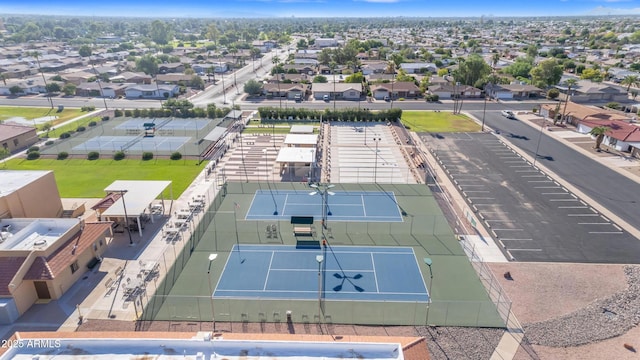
<point x="29" y="194"/>
<point x="15" y="137"/>
<point x="41" y="254"/>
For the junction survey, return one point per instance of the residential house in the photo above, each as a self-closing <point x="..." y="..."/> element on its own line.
<point x="177" y="79"/>
<point x="300" y="68"/>
<point x="325" y="42"/>
<point x="373" y="67"/>
<point x="512" y="91"/>
<point x="90" y="89"/>
<point x="573" y="113"/>
<point x="14" y="137"/>
<point x="115" y="90"/>
<point x="171" y="68"/>
<point x="151" y="91"/>
<point x="264" y="45"/>
<point x="132" y="77"/>
<point x="296" y="78"/>
<point x="339" y="91"/>
<point x="17" y="71"/>
<point x="448" y="91"/>
<point x="419" y="68"/>
<point x="395" y="90"/>
<point x="218" y="67"/>
<point x="621" y="135"/>
<point x="587" y="91"/>
<point x="287" y="90"/>
<point x="77" y="77"/>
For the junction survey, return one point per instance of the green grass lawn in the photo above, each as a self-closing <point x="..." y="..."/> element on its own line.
<point x="438" y="122"/>
<point x="29" y="113"/>
<point x="80" y="178"/>
<point x="73" y="126"/>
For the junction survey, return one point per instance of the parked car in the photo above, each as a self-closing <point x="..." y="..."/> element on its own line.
<point x="325" y="97"/>
<point x="297" y="98"/>
<point x="508" y="114"/>
<point x="387" y="98"/>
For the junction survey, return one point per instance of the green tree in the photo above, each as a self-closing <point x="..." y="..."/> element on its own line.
<point x="520" y="68"/>
<point x="547" y="73"/>
<point x="160" y="32"/>
<point x="592" y="74"/>
<point x="320" y="79"/>
<point x="553" y="93"/>
<point x="147" y="64"/>
<point x="471" y="70"/>
<point x="630" y="80"/>
<point x="84" y="51"/>
<point x="252" y="87"/>
<point x="15" y="90"/>
<point x="443" y="72"/>
<point x="196" y="82"/>
<point x="599" y="132"/>
<point x="69" y="89"/>
<point x="53" y="87"/>
<point x="356" y="78"/>
<point x="571" y="82"/>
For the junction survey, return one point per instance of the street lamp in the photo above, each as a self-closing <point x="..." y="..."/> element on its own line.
<point x="213" y="314"/>
<point x="484" y="108"/>
<point x="428" y="261"/>
<point x="126" y="217"/>
<point x="319" y="259"/>
<point x="535" y="156"/>
<point x="323" y="190"/>
<point x="375" y="169"/>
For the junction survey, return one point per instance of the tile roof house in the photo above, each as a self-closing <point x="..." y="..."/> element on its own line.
<point x="512" y="91"/>
<point x="587" y="91"/>
<point x="14" y="137"/>
<point x="395" y="90"/>
<point x="341" y="91"/>
<point x="621" y="135"/>
<point x="447" y="91"/>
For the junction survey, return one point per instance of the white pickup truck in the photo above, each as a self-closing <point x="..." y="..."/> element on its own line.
<point x="508" y="114"/>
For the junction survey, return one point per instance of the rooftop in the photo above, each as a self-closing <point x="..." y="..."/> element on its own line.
<point x="13" y="180"/>
<point x="32" y="234"/>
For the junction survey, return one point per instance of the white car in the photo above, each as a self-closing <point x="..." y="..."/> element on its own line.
<point x="508" y="114"/>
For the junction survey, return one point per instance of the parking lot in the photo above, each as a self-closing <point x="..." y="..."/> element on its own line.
<point x="530" y="215"/>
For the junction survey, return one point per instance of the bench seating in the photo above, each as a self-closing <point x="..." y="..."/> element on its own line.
<point x="302" y="230"/>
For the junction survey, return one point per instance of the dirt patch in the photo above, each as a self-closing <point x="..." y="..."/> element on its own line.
<point x="542" y="291"/>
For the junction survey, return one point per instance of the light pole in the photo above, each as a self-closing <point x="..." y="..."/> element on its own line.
<point x="224" y="91"/>
<point x="484" y="108"/>
<point x="375" y="169"/>
<point x="535" y="156"/>
<point x="126" y="217"/>
<point x="319" y="259"/>
<point x="428" y="261"/>
<point x="323" y="190"/>
<point x="213" y="314"/>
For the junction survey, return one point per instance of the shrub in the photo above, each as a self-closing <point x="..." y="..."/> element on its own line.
<point x="119" y="155"/>
<point x="93" y="155"/>
<point x="32" y="155"/>
<point x="63" y="155"/>
<point x="176" y="156"/>
<point x="613" y="105"/>
<point x="128" y="113"/>
<point x="81" y="129"/>
<point x="65" y="135"/>
<point x="117" y="113"/>
<point x="88" y="108"/>
<point x="105" y="118"/>
<point x="92" y="123"/>
<point x="49" y="142"/>
<point x="33" y="148"/>
<point x="147" y="155"/>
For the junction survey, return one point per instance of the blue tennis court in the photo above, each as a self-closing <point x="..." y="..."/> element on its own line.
<point x="165" y="124"/>
<point x="370" y="206"/>
<point x="118" y="143"/>
<point x="346" y="273"/>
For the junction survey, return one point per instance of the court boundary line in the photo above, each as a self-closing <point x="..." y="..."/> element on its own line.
<point x="316" y="290"/>
<point x="266" y="278"/>
<point x="422" y="276"/>
<point x="375" y="273"/>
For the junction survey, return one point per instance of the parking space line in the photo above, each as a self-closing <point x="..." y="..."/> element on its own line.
<point x="563" y="200"/>
<point x="560" y="193"/>
<point x="501" y="220"/>
<point x="508" y="229"/>
<point x="519" y="166"/>
<point x="604" y="218"/>
<point x="525" y="249"/>
<point x="516" y="239"/>
<point x="582" y="214"/>
<point x="537" y="181"/>
<point x="606" y="232"/>
<point x="530" y="176"/>
<point x="481" y="198"/>
<point x="572" y="207"/>
<point x="603" y="223"/>
<point x="617" y="227"/>
<point x="545" y="187"/>
<point x="477" y="191"/>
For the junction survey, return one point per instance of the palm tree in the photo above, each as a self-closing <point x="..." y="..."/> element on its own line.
<point x="333" y="65"/>
<point x="276" y="61"/>
<point x="391" y="69"/>
<point x="598" y="132"/>
<point x="630" y="80"/>
<point x="569" y="82"/>
<point x="495" y="58"/>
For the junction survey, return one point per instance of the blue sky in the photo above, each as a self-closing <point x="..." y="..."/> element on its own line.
<point x="321" y="8"/>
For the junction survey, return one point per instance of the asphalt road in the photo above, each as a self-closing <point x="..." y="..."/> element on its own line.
<point x="612" y="190"/>
<point x="532" y="217"/>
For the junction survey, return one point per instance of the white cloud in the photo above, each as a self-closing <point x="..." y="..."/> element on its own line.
<point x="604" y="10"/>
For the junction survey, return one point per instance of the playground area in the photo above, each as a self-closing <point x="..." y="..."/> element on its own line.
<point x="134" y="136"/>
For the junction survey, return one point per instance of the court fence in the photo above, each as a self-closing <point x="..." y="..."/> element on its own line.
<point x="496" y="293"/>
<point x="158" y="303"/>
